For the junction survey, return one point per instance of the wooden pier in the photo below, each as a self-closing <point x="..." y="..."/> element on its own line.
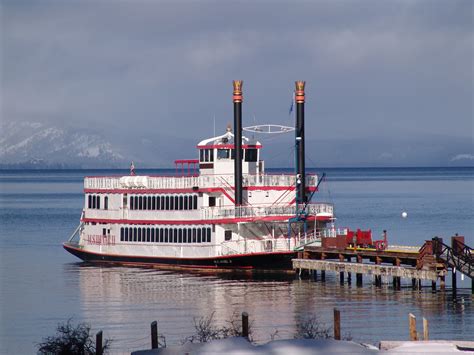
<point x="366" y="269"/>
<point x="431" y="262"/>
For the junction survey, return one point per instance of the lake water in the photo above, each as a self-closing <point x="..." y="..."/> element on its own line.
<point x="41" y="284"/>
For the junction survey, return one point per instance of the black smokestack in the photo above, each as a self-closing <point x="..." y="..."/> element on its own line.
<point x="238" y="141"/>
<point x="301" y="184"/>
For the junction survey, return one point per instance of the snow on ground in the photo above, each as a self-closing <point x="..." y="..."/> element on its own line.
<point x="240" y="346"/>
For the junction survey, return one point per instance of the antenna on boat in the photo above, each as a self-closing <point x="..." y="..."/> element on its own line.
<point x="214" y="126"/>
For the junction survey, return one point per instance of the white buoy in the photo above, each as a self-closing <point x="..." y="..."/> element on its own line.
<point x="404" y="214"/>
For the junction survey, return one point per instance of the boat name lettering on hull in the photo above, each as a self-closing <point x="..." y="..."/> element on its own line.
<point x="98" y="239"/>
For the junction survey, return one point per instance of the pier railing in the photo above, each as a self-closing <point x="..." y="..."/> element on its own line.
<point x="458" y="256"/>
<point x="188" y="182"/>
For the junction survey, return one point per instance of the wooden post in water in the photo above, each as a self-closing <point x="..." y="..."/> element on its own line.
<point x="154" y="335"/>
<point x="358" y="275"/>
<point x="425" y="329"/>
<point x="98" y="343"/>
<point x="412" y="327"/>
<point x="349" y="275"/>
<point x="454" y="281"/>
<point x="337" y="324"/>
<point x="442" y="283"/>
<point x="245" y="325"/>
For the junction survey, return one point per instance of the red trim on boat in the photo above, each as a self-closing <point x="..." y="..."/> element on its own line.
<point x="221" y="257"/>
<point x="229" y="146"/>
<point x="200" y="221"/>
<point x="190" y="190"/>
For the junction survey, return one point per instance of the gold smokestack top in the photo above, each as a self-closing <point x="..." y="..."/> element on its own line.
<point x="299" y="92"/>
<point x="238" y="90"/>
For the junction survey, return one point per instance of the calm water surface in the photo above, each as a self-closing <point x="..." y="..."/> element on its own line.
<point x="41" y="284"/>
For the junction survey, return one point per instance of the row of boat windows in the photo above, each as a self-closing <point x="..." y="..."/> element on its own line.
<point x="93" y="201"/>
<point x="165" y="235"/>
<point x="207" y="155"/>
<point x="182" y="202"/>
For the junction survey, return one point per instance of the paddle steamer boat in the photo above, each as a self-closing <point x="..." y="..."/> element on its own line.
<point x="221" y="210"/>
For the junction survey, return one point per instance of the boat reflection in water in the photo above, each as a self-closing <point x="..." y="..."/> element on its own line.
<point x="124" y="301"/>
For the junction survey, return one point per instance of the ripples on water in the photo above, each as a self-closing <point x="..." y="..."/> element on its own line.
<point x="124" y="301"/>
<point x="42" y="285"/>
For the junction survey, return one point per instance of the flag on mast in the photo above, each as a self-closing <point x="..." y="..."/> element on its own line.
<point x="292" y="103"/>
<point x="132" y="169"/>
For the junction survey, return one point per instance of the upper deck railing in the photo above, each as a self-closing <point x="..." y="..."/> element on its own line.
<point x="316" y="209"/>
<point x="188" y="182"/>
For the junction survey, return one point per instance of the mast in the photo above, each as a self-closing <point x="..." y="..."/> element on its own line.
<point x="237" y="98"/>
<point x="301" y="197"/>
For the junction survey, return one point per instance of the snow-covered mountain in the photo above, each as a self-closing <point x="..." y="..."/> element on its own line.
<point x="32" y="144"/>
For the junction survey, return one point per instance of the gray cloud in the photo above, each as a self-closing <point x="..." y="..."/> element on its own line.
<point x="130" y="68"/>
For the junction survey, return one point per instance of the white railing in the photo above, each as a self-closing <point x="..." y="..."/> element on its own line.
<point x="325" y="209"/>
<point x="185" y="182"/>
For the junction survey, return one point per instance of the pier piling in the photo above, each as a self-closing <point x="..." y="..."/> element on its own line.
<point x="154" y="335"/>
<point x="337" y="324"/>
<point x="245" y="325"/>
<point x="412" y="327"/>
<point x="98" y="343"/>
<point x="425" y="329"/>
<point x="454" y="281"/>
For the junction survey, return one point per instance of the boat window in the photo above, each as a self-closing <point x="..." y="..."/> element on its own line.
<point x="166" y="235"/>
<point x="153" y="203"/>
<point x="135" y="234"/>
<point x="171" y="203"/>
<point x="176" y="202"/>
<point x="228" y="235"/>
<point x="121" y="234"/>
<point x="167" y="201"/>
<point x="180" y="235"/>
<point x="206" y="154"/>
<point x="98" y="202"/>
<point x="180" y="202"/>
<point x="195" y="202"/>
<point x="211" y="154"/>
<point x="144" y="203"/>
<point x="161" y="235"/>
<point x="175" y="235"/>
<point x="139" y="235"/>
<point x="223" y="154"/>
<point x="194" y="235"/>
<point x="124" y="200"/>
<point x="199" y="233"/>
<point x="93" y="201"/>
<point x="201" y="154"/>
<point x="147" y="235"/>
<point x="185" y="235"/>
<point x="251" y="154"/>
<point x="132" y="204"/>
<point x="212" y="201"/>
<point x="140" y="202"/>
<point x="162" y="203"/>
<point x="89" y="199"/>
<point x="106" y="203"/>
<point x="126" y="235"/>
<point x="208" y="234"/>
<point x="185" y="202"/>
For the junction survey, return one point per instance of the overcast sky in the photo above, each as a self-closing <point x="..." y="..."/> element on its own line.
<point x="382" y="69"/>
